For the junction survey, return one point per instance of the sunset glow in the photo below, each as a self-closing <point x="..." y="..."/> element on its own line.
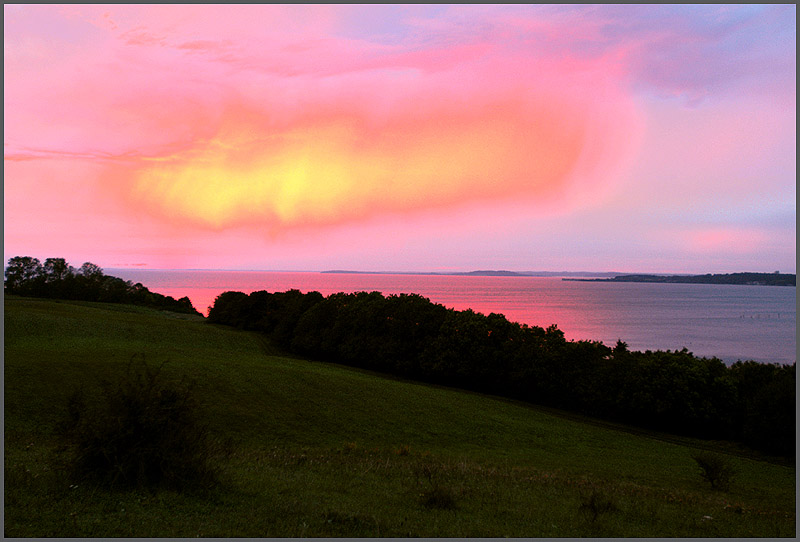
<point x="401" y="138"/>
<point x="333" y="170"/>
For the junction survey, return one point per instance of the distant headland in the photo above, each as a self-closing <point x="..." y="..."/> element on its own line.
<point x="761" y="279"/>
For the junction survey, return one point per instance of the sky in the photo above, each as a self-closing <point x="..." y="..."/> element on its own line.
<point x="402" y="138"/>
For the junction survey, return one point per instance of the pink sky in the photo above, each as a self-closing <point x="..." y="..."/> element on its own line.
<point x="399" y="138"/>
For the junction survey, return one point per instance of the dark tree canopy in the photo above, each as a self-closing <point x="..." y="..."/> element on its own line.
<point x="56" y="269"/>
<point x="22" y="270"/>
<point x="58" y="280"/>
<point x="91" y="271"/>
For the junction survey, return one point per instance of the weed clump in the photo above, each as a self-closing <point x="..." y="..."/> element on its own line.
<point x="438" y="497"/>
<point x="715" y="469"/>
<point x="597" y="503"/>
<point x="436" y="494"/>
<point x="139" y="432"/>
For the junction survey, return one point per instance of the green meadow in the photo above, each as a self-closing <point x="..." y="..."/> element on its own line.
<point x="320" y="450"/>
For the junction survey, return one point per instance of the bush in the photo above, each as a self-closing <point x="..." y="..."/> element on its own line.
<point x="715" y="469"/>
<point x="139" y="433"/>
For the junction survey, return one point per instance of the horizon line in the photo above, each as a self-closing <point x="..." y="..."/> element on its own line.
<point x="498" y="272"/>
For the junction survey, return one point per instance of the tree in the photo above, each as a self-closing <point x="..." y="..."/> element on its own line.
<point x="21" y="272"/>
<point x="56" y="269"/>
<point x="91" y="271"/>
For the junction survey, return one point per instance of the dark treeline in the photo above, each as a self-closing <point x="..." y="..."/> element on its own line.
<point x="56" y="279"/>
<point x="409" y="336"/>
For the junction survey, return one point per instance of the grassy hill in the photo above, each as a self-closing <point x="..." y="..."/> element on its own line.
<point x="314" y="449"/>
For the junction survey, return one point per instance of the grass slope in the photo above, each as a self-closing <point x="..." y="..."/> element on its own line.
<point x="321" y="450"/>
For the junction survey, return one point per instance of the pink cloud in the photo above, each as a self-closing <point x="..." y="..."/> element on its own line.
<point x="462" y="119"/>
<point x="281" y="127"/>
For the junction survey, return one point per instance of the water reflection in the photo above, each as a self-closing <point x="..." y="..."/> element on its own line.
<point x="730" y="322"/>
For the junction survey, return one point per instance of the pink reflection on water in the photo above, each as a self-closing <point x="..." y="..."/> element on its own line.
<point x="521" y="299"/>
<point x="730" y="322"/>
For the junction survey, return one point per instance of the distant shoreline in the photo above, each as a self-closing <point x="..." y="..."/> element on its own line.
<point x="756" y="279"/>
<point x="772" y="279"/>
<point x="480" y="273"/>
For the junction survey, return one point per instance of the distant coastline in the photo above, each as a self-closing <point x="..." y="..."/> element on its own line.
<point x="480" y="273"/>
<point x="760" y="279"/>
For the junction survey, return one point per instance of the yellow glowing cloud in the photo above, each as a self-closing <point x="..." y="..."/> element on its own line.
<point x="338" y="168"/>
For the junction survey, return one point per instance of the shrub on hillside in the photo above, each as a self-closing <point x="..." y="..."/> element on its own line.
<point x="436" y="494"/>
<point x="596" y="503"/>
<point x="715" y="469"/>
<point x="139" y="432"/>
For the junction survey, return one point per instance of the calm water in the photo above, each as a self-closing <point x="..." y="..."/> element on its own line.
<point x="727" y="321"/>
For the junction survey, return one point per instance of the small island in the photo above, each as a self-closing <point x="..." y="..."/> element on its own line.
<point x="760" y="279"/>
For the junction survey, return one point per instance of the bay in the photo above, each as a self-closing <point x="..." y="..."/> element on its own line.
<point x="731" y="322"/>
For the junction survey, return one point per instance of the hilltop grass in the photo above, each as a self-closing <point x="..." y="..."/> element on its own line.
<point x="315" y="449"/>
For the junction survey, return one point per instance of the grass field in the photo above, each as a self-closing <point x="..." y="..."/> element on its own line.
<point x="320" y="450"/>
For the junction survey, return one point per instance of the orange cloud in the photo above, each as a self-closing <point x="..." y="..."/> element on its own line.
<point x="275" y="128"/>
<point x="339" y="163"/>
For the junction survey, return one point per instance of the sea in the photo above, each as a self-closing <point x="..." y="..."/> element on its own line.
<point x="730" y="322"/>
